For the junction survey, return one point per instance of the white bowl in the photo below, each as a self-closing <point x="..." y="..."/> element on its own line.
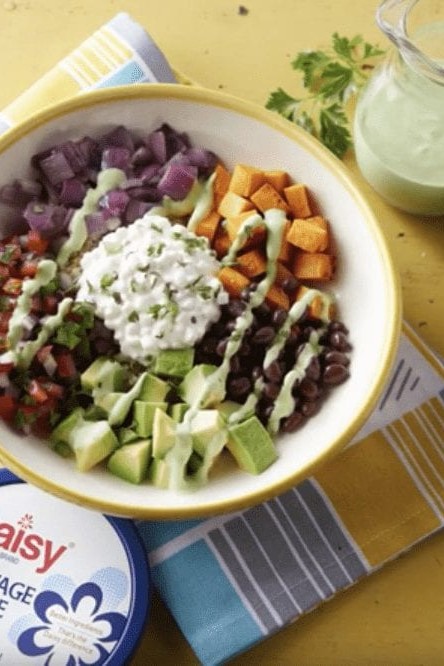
<point x="365" y="286"/>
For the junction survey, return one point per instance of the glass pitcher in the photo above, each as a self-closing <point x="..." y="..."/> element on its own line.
<point x="399" y="119"/>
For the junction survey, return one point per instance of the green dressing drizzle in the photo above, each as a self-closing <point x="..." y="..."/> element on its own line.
<point x="46" y="272"/>
<point x="107" y="180"/>
<point x="23" y="357"/>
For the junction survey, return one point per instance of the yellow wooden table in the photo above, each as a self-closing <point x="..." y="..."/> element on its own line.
<point x="396" y="617"/>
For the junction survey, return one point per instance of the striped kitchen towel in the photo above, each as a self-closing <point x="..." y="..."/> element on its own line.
<point x="120" y="52"/>
<point x="232" y="580"/>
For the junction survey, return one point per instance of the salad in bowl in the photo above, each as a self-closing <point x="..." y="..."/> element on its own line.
<point x="169" y="313"/>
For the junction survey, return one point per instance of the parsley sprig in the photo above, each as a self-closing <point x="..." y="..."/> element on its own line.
<point x="331" y="78"/>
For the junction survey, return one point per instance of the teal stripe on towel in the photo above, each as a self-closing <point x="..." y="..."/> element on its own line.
<point x="208" y="610"/>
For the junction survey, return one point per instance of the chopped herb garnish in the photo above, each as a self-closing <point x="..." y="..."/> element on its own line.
<point x="7" y="254"/>
<point x="155" y="250"/>
<point x="50" y="288"/>
<point x="107" y="280"/>
<point x="133" y="316"/>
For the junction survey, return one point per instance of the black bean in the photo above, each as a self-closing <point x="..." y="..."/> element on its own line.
<point x="235" y="364"/>
<point x="271" y="390"/>
<point x="239" y="386"/>
<point x="310" y="408"/>
<point x="263" y="311"/>
<point x="264" y="335"/>
<point x="274" y="371"/>
<point x="313" y="370"/>
<point x="293" y="336"/>
<point x="236" y="307"/>
<point x="292" y="422"/>
<point x="256" y="372"/>
<point x="209" y="345"/>
<point x="245" y="349"/>
<point x="336" y="357"/>
<point x="339" y="341"/>
<point x="221" y="347"/>
<point x="309" y="389"/>
<point x="334" y="374"/>
<point x="289" y="285"/>
<point x="278" y="317"/>
<point x="338" y="326"/>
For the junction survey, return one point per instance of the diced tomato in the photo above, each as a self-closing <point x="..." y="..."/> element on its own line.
<point x="4" y="321"/>
<point x="13" y="286"/>
<point x="28" y="269"/>
<point x="52" y="389"/>
<point x="36" y="243"/>
<point x="8" y="407"/>
<point x="4" y="273"/>
<point x="6" y="367"/>
<point x="66" y="366"/>
<point x="43" y="353"/>
<point x="37" y="392"/>
<point x="49" y="304"/>
<point x="36" y="304"/>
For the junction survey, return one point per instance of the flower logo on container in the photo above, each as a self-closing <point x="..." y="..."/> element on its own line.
<point x="75" y="632"/>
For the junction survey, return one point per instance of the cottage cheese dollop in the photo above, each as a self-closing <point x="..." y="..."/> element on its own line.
<point x="154" y="284"/>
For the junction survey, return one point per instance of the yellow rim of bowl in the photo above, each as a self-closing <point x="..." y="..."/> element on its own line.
<point x="237" y="105"/>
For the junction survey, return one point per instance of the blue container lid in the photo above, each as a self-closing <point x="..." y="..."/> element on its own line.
<point x="74" y="584"/>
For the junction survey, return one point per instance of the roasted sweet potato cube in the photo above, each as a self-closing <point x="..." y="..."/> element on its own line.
<point x="221" y="182"/>
<point x="252" y="263"/>
<point x="310" y="234"/>
<point x="221" y="242"/>
<point x="282" y="273"/>
<point x="296" y="196"/>
<point x="277" y="298"/>
<point x="234" y="223"/>
<point x="316" y="307"/>
<point x="208" y="226"/>
<point x="316" y="266"/>
<point x="287" y="249"/>
<point x="246" y="179"/>
<point x="233" y="204"/>
<point x="267" y="197"/>
<point x="277" y="179"/>
<point x="233" y="281"/>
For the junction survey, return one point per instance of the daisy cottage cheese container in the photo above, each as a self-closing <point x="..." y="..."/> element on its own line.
<point x="74" y="584"/>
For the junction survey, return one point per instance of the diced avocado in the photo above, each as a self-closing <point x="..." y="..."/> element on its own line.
<point x="104" y="374"/>
<point x="121" y="408"/>
<point x="205" y="425"/>
<point x="106" y="401"/>
<point x="95" y="413"/>
<point x="251" y="445"/>
<point x="63" y="430"/>
<point x="164" y="433"/>
<point x="227" y="408"/>
<point x="130" y="462"/>
<point x="195" y="388"/>
<point x="63" y="449"/>
<point x="127" y="436"/>
<point x="92" y="442"/>
<point x="154" y="389"/>
<point x="178" y="411"/>
<point x="143" y="416"/>
<point x="159" y="473"/>
<point x="174" y="362"/>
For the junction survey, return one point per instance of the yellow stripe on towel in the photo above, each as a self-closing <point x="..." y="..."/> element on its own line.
<point x="98" y="57"/>
<point x="377" y="499"/>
